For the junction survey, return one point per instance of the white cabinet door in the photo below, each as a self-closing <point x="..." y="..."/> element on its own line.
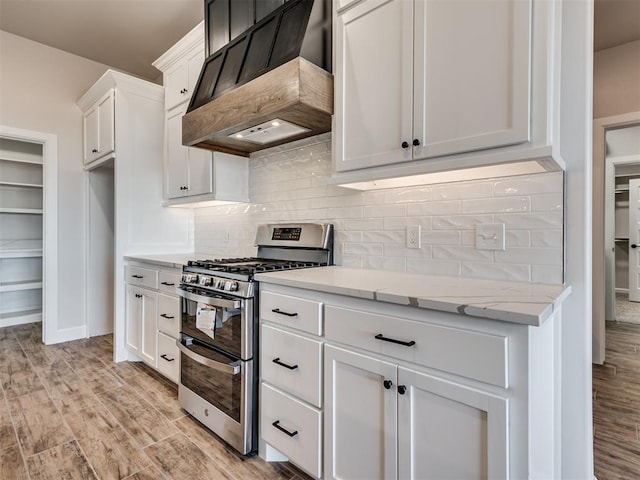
<point x="176" y="80"/>
<point x="148" y="330"/>
<point x="106" y="125"/>
<point x="200" y="171"/>
<point x="177" y="157"/>
<point x="90" y="128"/>
<point x="449" y="431"/>
<point x="99" y="128"/>
<point x="194" y="62"/>
<point x="360" y="416"/>
<point x="374" y="84"/>
<point x="134" y="319"/>
<point x="472" y="75"/>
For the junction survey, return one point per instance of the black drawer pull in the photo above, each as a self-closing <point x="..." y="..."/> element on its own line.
<point x="278" y="362"/>
<point x="167" y="284"/>
<point x="137" y="276"/>
<point x="277" y="425"/>
<point x="164" y="315"/>
<point x="280" y="312"/>
<point x="393" y="340"/>
<point x="164" y="356"/>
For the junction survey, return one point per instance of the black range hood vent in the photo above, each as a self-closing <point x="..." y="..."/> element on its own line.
<point x="273" y="41"/>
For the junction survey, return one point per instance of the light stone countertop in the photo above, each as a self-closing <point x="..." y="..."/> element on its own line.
<point x="523" y="303"/>
<point x="172" y="260"/>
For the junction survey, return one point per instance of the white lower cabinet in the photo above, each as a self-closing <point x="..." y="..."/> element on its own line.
<point x="153" y="317"/>
<point x="142" y="307"/>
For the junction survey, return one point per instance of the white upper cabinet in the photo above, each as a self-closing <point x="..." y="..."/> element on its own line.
<point x="99" y="128"/>
<point x="180" y="79"/>
<point x="194" y="175"/>
<point x="442" y="82"/>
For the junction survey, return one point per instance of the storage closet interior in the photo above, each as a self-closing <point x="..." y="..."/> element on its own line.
<point x="21" y="208"/>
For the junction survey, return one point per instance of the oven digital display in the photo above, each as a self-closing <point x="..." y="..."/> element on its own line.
<point x="281" y="233"/>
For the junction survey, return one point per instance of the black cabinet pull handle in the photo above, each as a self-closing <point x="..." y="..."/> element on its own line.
<point x="282" y="429"/>
<point x="164" y="356"/>
<point x="393" y="340"/>
<point x="137" y="276"/>
<point x="387" y="384"/>
<point x="280" y="312"/>
<point x="402" y="389"/>
<point x="138" y="295"/>
<point x="633" y="245"/>
<point x="278" y="362"/>
<point x="164" y="315"/>
<point x="167" y="284"/>
<point x="94" y="150"/>
<point x="416" y="142"/>
<point x="405" y="145"/>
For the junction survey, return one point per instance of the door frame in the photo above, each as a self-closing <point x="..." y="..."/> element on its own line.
<point x="609" y="229"/>
<point x="600" y="127"/>
<point x="49" y="144"/>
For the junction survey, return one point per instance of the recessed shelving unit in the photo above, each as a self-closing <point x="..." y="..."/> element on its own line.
<point x="623" y="174"/>
<point x="21" y="215"/>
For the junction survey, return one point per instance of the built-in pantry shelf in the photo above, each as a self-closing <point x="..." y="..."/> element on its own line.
<point x="28" y="211"/>
<point x="621" y="239"/>
<point x="18" y="318"/>
<point x="20" y="184"/>
<point x="20" y="248"/>
<point x="18" y="286"/>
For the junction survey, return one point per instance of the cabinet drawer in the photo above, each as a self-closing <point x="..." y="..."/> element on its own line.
<point x="144" y="277"/>
<point x="169" y="314"/>
<point x="470" y="354"/>
<point x="292" y="363"/>
<point x="168" y="281"/>
<point x="168" y="357"/>
<point x="302" y="422"/>
<point x="293" y="312"/>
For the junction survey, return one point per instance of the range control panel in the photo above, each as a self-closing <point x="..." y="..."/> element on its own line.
<point x="286" y="233"/>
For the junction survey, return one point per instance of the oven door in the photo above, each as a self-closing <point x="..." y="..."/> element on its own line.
<point x="223" y="321"/>
<point x="217" y="390"/>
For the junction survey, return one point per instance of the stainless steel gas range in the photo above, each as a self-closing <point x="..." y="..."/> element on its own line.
<point x="219" y="334"/>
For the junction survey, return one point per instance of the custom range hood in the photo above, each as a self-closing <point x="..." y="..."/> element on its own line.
<point x="269" y="86"/>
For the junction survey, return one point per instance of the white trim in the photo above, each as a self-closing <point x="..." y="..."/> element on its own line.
<point x="67" y="335"/>
<point x="50" y="224"/>
<point x="600" y="126"/>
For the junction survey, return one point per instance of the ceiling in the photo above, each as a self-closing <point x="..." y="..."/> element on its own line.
<point x="125" y="34"/>
<point x="130" y="34"/>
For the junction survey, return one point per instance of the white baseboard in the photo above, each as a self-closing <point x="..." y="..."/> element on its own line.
<point x="67" y="335"/>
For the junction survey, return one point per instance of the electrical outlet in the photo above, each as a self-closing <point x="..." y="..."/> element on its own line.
<point x="490" y="236"/>
<point x="226" y="236"/>
<point x="413" y="236"/>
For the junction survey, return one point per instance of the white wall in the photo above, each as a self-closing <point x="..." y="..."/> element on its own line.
<point x="616" y="80"/>
<point x="39" y="86"/>
<point x="290" y="185"/>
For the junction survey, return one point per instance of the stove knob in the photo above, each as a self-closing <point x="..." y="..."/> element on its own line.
<point x="206" y="281"/>
<point x="231" y="286"/>
<point x="193" y="278"/>
<point x="220" y="284"/>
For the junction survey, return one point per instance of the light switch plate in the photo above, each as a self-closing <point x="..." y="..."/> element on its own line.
<point x="490" y="236"/>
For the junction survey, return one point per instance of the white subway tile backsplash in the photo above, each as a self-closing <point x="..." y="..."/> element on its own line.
<point x="434" y="208"/>
<point x="288" y="183"/>
<point x="546" y="274"/>
<point x="461" y="252"/>
<point x="495" y="205"/>
<point x="456" y="191"/>
<point x="459" y="222"/>
<point x="547" y="202"/>
<point x="500" y="271"/>
<point x="531" y="256"/>
<point x="529" y="184"/>
<point x="547" y="238"/>
<point x="531" y="221"/>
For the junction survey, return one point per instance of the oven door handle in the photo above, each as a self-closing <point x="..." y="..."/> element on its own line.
<point x="214" y="301"/>
<point x="232" y="368"/>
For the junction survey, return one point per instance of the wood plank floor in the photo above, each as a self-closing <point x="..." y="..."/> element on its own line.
<point x="616" y="405"/>
<point x="67" y="411"/>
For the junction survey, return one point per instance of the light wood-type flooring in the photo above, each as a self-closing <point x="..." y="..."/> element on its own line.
<point x="616" y="405"/>
<point x="67" y="411"/>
